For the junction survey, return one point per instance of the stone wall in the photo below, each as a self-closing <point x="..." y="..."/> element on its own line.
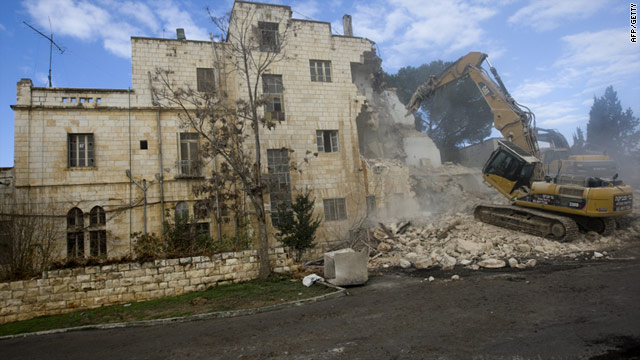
<point x="67" y="290"/>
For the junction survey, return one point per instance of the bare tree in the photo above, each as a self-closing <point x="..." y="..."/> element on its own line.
<point x="230" y="130"/>
<point x="30" y="239"/>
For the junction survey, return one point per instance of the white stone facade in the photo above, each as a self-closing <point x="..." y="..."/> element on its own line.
<point x="119" y="120"/>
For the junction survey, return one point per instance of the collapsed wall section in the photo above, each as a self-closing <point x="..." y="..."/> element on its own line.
<point x="384" y="130"/>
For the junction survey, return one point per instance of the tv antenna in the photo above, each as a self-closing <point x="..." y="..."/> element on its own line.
<point x="51" y="43"/>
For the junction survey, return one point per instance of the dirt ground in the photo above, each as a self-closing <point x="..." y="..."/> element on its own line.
<point x="560" y="309"/>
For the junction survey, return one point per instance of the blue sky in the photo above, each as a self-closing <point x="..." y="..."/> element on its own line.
<point x="554" y="55"/>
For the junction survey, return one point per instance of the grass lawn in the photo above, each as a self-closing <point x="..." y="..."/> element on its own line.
<point x="251" y="294"/>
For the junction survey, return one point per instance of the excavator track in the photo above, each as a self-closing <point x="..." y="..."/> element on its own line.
<point x="531" y="221"/>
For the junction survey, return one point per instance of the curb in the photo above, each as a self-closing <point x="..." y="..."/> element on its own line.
<point x="213" y="315"/>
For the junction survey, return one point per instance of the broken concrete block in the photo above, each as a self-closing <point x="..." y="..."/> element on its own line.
<point x="423" y="263"/>
<point x="531" y="263"/>
<point x="448" y="262"/>
<point x="513" y="263"/>
<point x="492" y="264"/>
<point x="404" y="263"/>
<point x="346" y="267"/>
<point x="384" y="247"/>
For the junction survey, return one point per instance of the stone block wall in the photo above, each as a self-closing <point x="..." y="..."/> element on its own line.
<point x="67" y="290"/>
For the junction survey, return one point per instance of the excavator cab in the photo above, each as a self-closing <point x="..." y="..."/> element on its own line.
<point x="510" y="168"/>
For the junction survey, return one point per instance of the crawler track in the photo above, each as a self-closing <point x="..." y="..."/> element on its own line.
<point x="531" y="221"/>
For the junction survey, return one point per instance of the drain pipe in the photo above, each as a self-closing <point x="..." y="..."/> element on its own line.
<point x="160" y="175"/>
<point x="215" y="157"/>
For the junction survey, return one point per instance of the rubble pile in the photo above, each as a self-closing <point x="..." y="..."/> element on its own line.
<point x="460" y="240"/>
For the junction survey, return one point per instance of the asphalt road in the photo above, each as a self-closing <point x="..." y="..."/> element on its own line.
<point x="574" y="310"/>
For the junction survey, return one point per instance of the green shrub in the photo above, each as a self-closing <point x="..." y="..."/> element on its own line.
<point x="297" y="226"/>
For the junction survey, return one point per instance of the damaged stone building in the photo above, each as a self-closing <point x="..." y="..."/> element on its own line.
<point x="111" y="162"/>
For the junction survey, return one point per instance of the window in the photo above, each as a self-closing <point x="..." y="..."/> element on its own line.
<point x="268" y="36"/>
<point x="144" y="145"/>
<point x="80" y="150"/>
<point x="189" y="154"/>
<point x="182" y="211"/>
<point x="272" y="88"/>
<point x="98" y="243"/>
<point x="75" y="234"/>
<point x="201" y="209"/>
<point x="203" y="228"/>
<point x="334" y="209"/>
<point x="98" y="233"/>
<point x="6" y="250"/>
<point x="280" y="184"/>
<point x="206" y="79"/>
<point x="371" y="204"/>
<point x="320" y="70"/>
<point x="97" y="216"/>
<point x="327" y="140"/>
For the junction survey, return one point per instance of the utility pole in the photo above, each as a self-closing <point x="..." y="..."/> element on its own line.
<point x="51" y="43"/>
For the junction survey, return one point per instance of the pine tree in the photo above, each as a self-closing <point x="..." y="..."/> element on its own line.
<point x="297" y="225"/>
<point x="610" y="128"/>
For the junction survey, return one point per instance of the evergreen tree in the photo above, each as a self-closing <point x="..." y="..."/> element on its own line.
<point x="610" y="128"/>
<point x="578" y="140"/>
<point x="297" y="225"/>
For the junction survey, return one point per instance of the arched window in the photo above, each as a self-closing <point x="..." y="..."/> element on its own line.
<point x="75" y="233"/>
<point x="97" y="216"/>
<point x="182" y="211"/>
<point x="98" y="233"/>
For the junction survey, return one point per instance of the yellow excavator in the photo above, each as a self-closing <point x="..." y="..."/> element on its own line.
<point x="555" y="207"/>
<point x="559" y="158"/>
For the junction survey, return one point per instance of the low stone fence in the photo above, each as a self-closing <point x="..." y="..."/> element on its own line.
<point x="67" y="290"/>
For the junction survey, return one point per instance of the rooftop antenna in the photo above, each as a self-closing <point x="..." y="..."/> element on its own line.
<point x="51" y="43"/>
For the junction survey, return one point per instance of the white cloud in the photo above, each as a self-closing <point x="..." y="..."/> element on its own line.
<point x="2" y="28"/>
<point x="305" y="9"/>
<point x="141" y="12"/>
<point x="533" y="90"/>
<point x="416" y="31"/>
<point x="543" y="15"/>
<point x="112" y="22"/>
<point x="598" y="58"/>
<point x="172" y="17"/>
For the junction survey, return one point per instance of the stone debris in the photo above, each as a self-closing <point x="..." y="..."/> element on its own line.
<point x="449" y="240"/>
<point x="455" y="277"/>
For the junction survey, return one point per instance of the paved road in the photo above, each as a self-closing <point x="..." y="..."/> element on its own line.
<point x="588" y="309"/>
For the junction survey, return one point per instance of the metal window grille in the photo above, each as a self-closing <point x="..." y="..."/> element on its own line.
<point x="268" y="36"/>
<point x="98" y="243"/>
<point x="272" y="89"/>
<point x="189" y="154"/>
<point x="206" y="79"/>
<point x="280" y="185"/>
<point x="81" y="150"/>
<point x="335" y="209"/>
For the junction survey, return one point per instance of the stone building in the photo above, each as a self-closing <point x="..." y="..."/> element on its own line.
<point x="111" y="162"/>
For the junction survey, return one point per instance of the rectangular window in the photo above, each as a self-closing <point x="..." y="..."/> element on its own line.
<point x="280" y="184"/>
<point x="268" y="36"/>
<point x="6" y="248"/>
<point x="335" y="209"/>
<point x="203" y="228"/>
<point x="80" y="150"/>
<point x="272" y="88"/>
<point x="189" y="154"/>
<point x="327" y="140"/>
<point x="371" y="204"/>
<point x="75" y="244"/>
<point x="98" y="243"/>
<point x="206" y="80"/>
<point x="320" y="70"/>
